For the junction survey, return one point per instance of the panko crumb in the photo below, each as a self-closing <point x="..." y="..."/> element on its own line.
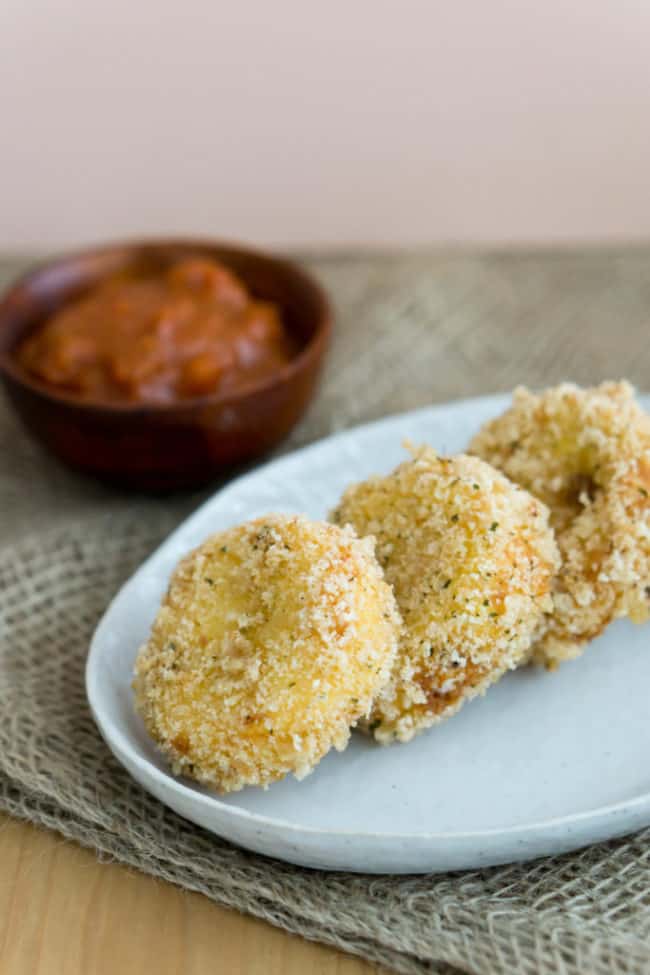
<point x="586" y="454"/>
<point x="471" y="558"/>
<point x="272" y="641"/>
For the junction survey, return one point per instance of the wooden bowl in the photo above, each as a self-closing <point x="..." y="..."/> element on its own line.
<point x="183" y="444"/>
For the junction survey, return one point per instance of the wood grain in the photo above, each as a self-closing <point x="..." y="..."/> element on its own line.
<point x="440" y="327"/>
<point x="63" y="912"/>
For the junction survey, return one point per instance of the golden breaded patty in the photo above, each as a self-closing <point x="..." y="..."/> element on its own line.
<point x="586" y="454"/>
<point x="470" y="557"/>
<point x="273" y="639"/>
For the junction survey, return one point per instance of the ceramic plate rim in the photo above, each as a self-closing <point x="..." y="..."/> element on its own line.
<point x="118" y="741"/>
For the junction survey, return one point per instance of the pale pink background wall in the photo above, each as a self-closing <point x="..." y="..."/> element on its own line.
<point x="339" y="121"/>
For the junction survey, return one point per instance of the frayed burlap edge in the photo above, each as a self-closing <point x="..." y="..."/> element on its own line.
<point x="588" y="912"/>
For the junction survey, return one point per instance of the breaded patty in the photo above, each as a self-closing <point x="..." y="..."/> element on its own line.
<point x="586" y="454"/>
<point x="470" y="557"/>
<point x="273" y="639"/>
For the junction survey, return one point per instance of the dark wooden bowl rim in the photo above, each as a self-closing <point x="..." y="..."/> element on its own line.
<point x="311" y="349"/>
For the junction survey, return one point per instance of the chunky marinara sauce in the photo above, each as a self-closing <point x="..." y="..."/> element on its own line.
<point x="189" y="330"/>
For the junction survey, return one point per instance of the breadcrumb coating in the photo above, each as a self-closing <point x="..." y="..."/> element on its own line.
<point x="273" y="639"/>
<point x="586" y="454"/>
<point x="470" y="557"/>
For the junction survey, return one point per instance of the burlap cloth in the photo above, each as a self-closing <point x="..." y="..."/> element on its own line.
<point x="410" y="330"/>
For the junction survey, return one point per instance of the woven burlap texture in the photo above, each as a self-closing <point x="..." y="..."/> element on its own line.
<point x="410" y="330"/>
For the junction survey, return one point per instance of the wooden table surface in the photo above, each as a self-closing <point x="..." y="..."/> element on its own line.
<point x="64" y="913"/>
<point x="478" y="324"/>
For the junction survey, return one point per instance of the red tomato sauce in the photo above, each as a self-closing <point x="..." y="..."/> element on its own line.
<point x="186" y="331"/>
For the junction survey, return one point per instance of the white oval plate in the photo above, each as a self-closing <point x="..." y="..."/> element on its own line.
<point x="543" y="764"/>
